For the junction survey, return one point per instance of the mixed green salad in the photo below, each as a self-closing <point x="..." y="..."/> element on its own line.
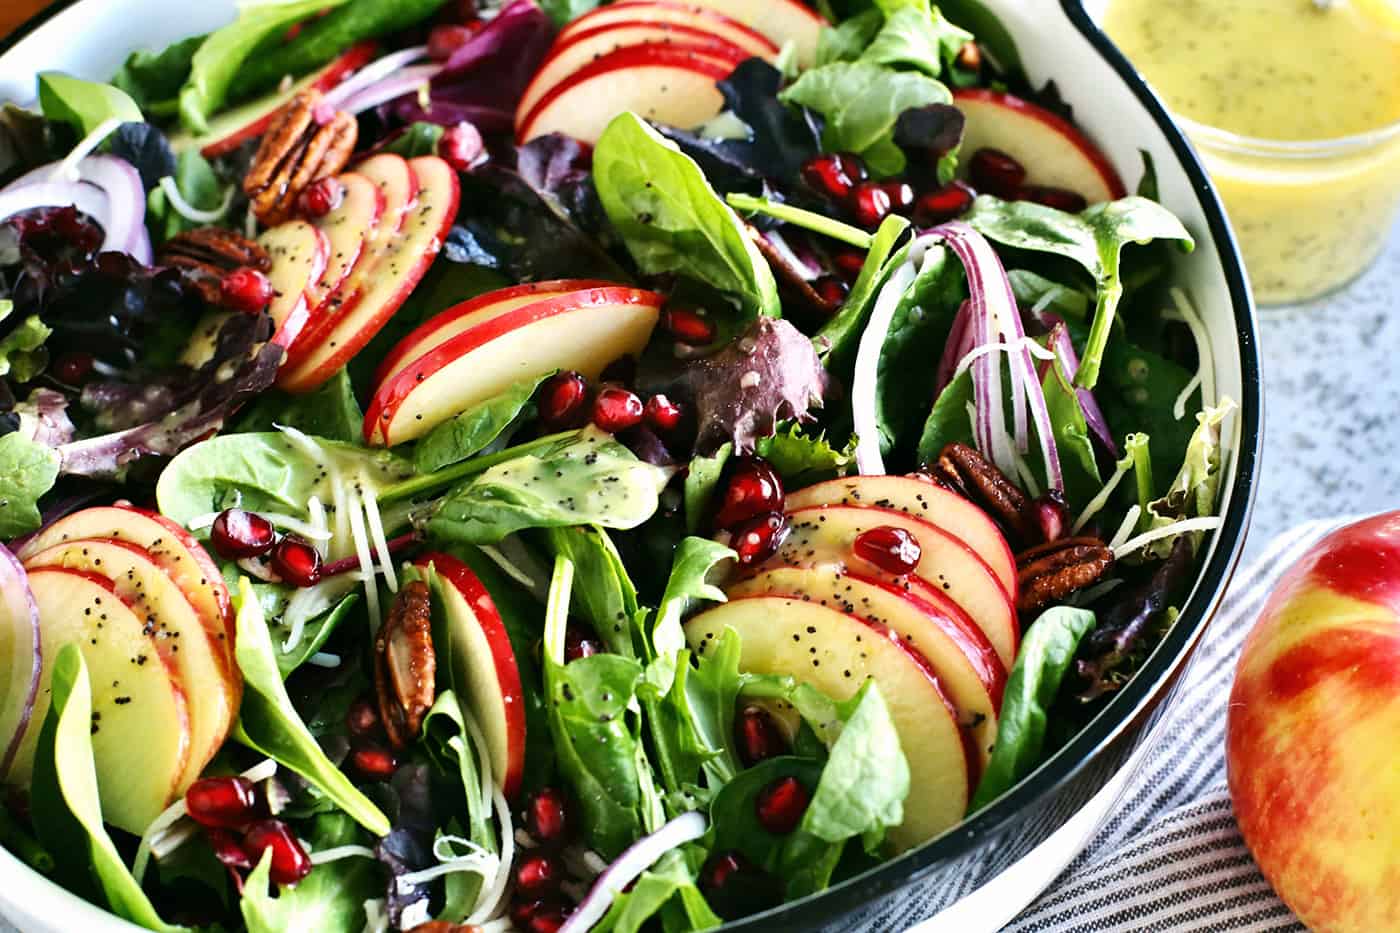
<point x="559" y="466"/>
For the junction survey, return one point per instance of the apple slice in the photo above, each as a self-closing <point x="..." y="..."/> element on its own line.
<point x="674" y="86"/>
<point x="924" y="500"/>
<point x="348" y="227"/>
<point x="573" y="53"/>
<point x="483" y="666"/>
<point x="827" y="534"/>
<point x="782" y="21"/>
<point x="666" y="12"/>
<point x="1053" y="151"/>
<point x="213" y="689"/>
<point x="141" y="740"/>
<point x="837" y="653"/>
<point x="967" y="666"/>
<point x="582" y="331"/>
<point x="449" y="323"/>
<point x="21" y="658"/>
<point x="351" y="316"/>
<point x="232" y="128"/>
<point x="172" y="548"/>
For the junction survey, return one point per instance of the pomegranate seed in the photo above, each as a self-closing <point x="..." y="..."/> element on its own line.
<point x="237" y="534"/>
<point x="548" y="917"/>
<point x="321" y="197"/>
<point x="296" y="561"/>
<point x="1058" y="198"/>
<point x="945" y="204"/>
<point x="461" y="147"/>
<point x="780" y="805"/>
<point x="228" y="849"/>
<point x="758" y="736"/>
<point x="893" y="550"/>
<point x="290" y="862"/>
<point x="832" y="290"/>
<point x="222" y="802"/>
<point x="374" y="763"/>
<point x="901" y="195"/>
<point x="547" y="816"/>
<point x="446" y="39"/>
<point x="362" y="719"/>
<point x="721" y="867"/>
<point x="848" y="263"/>
<point x="617" y="409"/>
<point x="995" y="171"/>
<point x="246" y="290"/>
<point x="522" y="911"/>
<point x="759" y="538"/>
<point x="1051" y="515"/>
<point x="73" y="368"/>
<point x="754" y="487"/>
<point x="871" y="204"/>
<point x="562" y="400"/>
<point x="662" y="413"/>
<point x="537" y="875"/>
<point x="687" y="326"/>
<point x="579" y="644"/>
<point x="834" y="174"/>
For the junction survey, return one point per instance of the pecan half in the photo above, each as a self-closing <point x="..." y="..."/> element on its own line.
<point x="1050" y="572"/>
<point x="205" y="255"/>
<point x="295" y="152"/>
<point x="405" y="664"/>
<point x="963" y="470"/>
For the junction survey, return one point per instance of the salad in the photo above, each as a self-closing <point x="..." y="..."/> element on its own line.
<point x="559" y="466"/>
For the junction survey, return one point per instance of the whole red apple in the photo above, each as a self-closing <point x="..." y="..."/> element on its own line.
<point x="1313" y="741"/>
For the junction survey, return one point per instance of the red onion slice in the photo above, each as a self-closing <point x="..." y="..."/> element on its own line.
<point x="406" y="81"/>
<point x="23" y="660"/>
<point x="372" y="73"/>
<point x="109" y="191"/>
<point x="1093" y="414"/>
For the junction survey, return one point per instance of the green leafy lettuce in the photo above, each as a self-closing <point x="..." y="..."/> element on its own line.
<point x="469" y="432"/>
<point x="22" y="356"/>
<point x="1196" y="489"/>
<point x="27" y="471"/>
<point x="84" y="105"/>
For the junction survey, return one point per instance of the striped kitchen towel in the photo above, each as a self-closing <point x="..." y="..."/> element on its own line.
<point x="1171" y="857"/>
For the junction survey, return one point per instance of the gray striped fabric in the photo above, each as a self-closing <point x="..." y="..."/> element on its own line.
<point x="1171" y="857"/>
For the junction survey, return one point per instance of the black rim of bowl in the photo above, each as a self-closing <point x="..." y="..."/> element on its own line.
<point x="1147" y="686"/>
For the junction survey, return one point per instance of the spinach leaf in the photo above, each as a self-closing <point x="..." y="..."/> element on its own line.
<point x="949" y="421"/>
<point x="603" y="592"/>
<point x="330" y="412"/>
<point x="672" y="220"/>
<point x="1033" y="290"/>
<point x="1078" y="462"/>
<point x="670" y="880"/>
<point x="1045" y="655"/>
<point x="332" y="897"/>
<point x="315" y="634"/>
<point x="84" y="105"/>
<point x="839" y="337"/>
<point x="804" y="459"/>
<point x="223" y="55"/>
<point x="700" y="484"/>
<point x="153" y="79"/>
<point x="861" y="102"/>
<point x="1142" y="388"/>
<point x="733" y="822"/>
<point x="468" y="433"/>
<point x="64" y="798"/>
<point x="678" y="750"/>
<point x="1094" y="238"/>
<point x="21" y="350"/>
<point x="918" y="37"/>
<point x="198" y="185"/>
<point x="588" y="479"/>
<point x="268" y="723"/>
<point x="27" y="471"/>
<point x="448" y="743"/>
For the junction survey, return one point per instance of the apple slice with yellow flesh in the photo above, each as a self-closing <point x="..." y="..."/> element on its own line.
<point x="674" y="86"/>
<point x="141" y="737"/>
<point x="923" y="500"/>
<point x="382" y="280"/>
<point x="582" y="331"/>
<point x="484" y="671"/>
<point x="668" y="12"/>
<point x="460" y="317"/>
<point x="966" y="664"/>
<point x="827" y="534"/>
<point x="348" y="227"/>
<point x="837" y="653"/>
<point x="213" y="688"/>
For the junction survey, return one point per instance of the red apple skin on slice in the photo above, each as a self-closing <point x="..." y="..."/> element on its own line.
<point x="460" y="317"/>
<point x="141" y="733"/>
<point x="782" y="21"/>
<point x="485" y="655"/>
<point x="662" y="12"/>
<point x="348" y="228"/>
<point x="934" y="504"/>
<point x="582" y="331"/>
<point x="674" y="86"/>
<point x="972" y="675"/>
<point x="1053" y="151"/>
<point x="213" y="688"/>
<point x="827" y="534"/>
<point x="369" y="301"/>
<point x="837" y="653"/>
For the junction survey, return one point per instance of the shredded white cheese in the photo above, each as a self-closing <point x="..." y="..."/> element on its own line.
<point x="341" y="852"/>
<point x="187" y="210"/>
<point x="1205" y="523"/>
<point x="1126" y="528"/>
<point x="1097" y="503"/>
<point x="376" y="534"/>
<point x="362" y="554"/>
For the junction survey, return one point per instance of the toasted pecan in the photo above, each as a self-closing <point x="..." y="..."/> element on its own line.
<point x="1050" y="572"/>
<point x="207" y="254"/>
<point x="963" y="470"/>
<point x="296" y="151"/>
<point x="405" y="664"/>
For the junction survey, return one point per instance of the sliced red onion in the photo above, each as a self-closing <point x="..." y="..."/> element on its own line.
<point x="806" y="266"/>
<point x="372" y="73"/>
<point x="109" y="191"/>
<point x="406" y="81"/>
<point x="20" y="615"/>
<point x="1093" y="414"/>
<point x="346" y="564"/>
<point x="958" y="346"/>
<point x="629" y="866"/>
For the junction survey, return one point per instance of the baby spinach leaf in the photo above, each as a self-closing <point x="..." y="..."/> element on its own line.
<point x="1045" y="655"/>
<point x="678" y="750"/>
<point x="1142" y="388"/>
<point x="562" y="11"/>
<point x="153" y="79"/>
<point x="672" y="220"/>
<point x="469" y="432"/>
<point x="84" y="105"/>
<point x="21" y="350"/>
<point x="1033" y="290"/>
<point x="447" y="741"/>
<point x="839" y="337"/>
<point x="27" y="471"/>
<point x="315" y="635"/>
<point x="803" y="459"/>
<point x="331" y="412"/>
<point x="918" y="37"/>
<point x="861" y="102"/>
<point x="1094" y="238"/>
<point x="198" y="185"/>
<point x="268" y="723"/>
<point x="603" y="591"/>
<point x="734" y="824"/>
<point x="332" y="897"/>
<point x="64" y="798"/>
<point x="700" y="484"/>
<point x="587" y="479"/>
<point x="949" y="421"/>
